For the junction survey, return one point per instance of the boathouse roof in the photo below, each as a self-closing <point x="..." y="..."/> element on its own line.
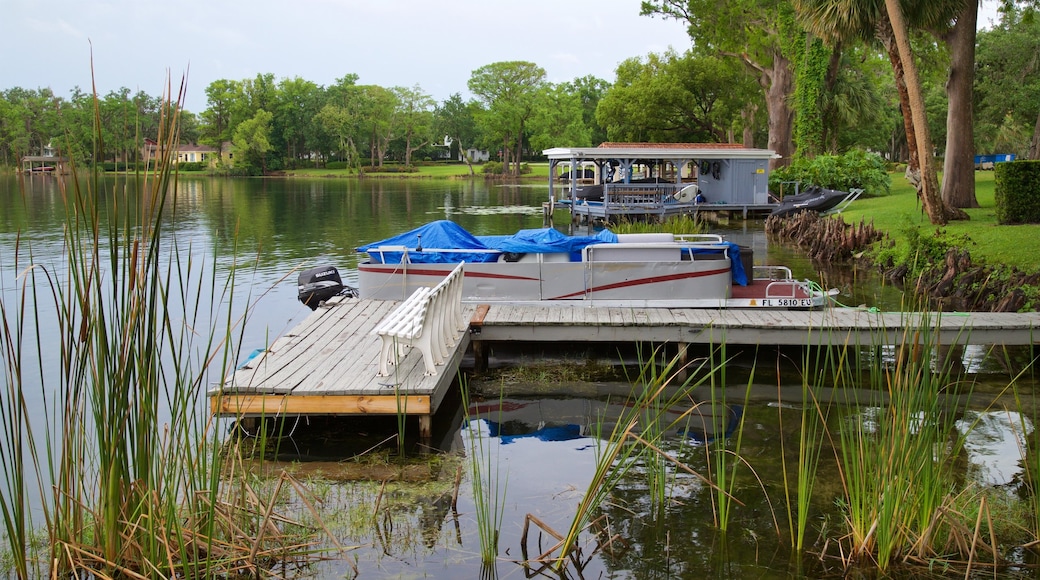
<point x="670" y="151"/>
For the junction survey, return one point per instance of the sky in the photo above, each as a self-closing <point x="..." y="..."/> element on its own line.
<point x="436" y="45"/>
<point x="138" y="44"/>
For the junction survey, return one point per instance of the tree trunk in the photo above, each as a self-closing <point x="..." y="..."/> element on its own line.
<point x="506" y="150"/>
<point x="958" y="185"/>
<point x="748" y="113"/>
<point x="519" y="149"/>
<point x="829" y="139"/>
<point x="887" y="38"/>
<point x="465" y="157"/>
<point x="779" y="85"/>
<point x="933" y="204"/>
<point x="1034" y="145"/>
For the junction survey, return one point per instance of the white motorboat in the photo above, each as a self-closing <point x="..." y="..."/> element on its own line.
<point x="547" y="266"/>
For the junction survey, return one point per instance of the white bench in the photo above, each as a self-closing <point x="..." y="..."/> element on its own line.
<point x="429" y="320"/>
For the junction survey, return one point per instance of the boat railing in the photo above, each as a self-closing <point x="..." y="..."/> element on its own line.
<point x="405" y="251"/>
<point x="699" y="238"/>
<point x="777" y="273"/>
<point x="638" y="193"/>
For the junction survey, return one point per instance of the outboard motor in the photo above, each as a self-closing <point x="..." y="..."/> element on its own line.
<point x="319" y="284"/>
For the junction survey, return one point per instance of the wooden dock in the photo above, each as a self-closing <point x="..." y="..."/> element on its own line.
<point x="328" y="364"/>
<point x="830" y="326"/>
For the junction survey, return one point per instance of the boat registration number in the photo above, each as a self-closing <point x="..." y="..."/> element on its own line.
<point x="789" y="302"/>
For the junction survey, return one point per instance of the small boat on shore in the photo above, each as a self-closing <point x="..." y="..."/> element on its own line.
<point x="814" y="198"/>
<point x="545" y="265"/>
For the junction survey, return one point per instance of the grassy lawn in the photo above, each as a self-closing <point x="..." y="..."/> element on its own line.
<point x="440" y="170"/>
<point x="995" y="244"/>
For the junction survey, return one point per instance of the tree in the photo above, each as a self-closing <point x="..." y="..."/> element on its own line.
<point x="339" y="118"/>
<point x="864" y="19"/>
<point x="672" y="98"/>
<point x="811" y="82"/>
<point x="958" y="184"/>
<point x="297" y="103"/>
<point x="509" y="91"/>
<point x="930" y="198"/>
<point x="415" y="115"/>
<point x="1007" y="86"/>
<point x="457" y="120"/>
<point x="757" y="33"/>
<point x="341" y="124"/>
<point x="378" y="116"/>
<point x="252" y="140"/>
<point x="558" y="120"/>
<point x="860" y="106"/>
<point x="589" y="90"/>
<point x="216" y="128"/>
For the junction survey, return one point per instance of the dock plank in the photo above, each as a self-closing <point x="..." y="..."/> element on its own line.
<point x="328" y="363"/>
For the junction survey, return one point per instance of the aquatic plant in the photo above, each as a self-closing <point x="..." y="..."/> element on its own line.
<point x="898" y="452"/>
<point x="820" y="366"/>
<point x="682" y="224"/>
<point x="125" y="461"/>
<point x="487" y="481"/>
<point x="635" y="442"/>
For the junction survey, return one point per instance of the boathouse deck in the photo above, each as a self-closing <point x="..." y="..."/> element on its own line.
<point x="328" y="364"/>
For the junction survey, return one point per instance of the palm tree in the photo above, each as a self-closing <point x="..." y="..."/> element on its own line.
<point x="884" y="21"/>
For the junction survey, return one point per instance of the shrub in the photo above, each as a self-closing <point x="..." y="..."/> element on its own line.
<point x="191" y="166"/>
<point x="336" y="165"/>
<point x="1017" y="193"/>
<point x="122" y="166"/>
<point x="854" y="170"/>
<point x="492" y="167"/>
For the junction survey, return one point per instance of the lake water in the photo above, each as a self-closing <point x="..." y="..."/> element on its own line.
<point x="542" y="437"/>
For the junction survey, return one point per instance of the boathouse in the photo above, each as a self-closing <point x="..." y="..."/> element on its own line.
<point x="659" y="179"/>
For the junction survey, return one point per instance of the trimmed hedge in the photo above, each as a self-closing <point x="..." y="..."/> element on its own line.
<point x="123" y="166"/>
<point x="1017" y="193"/>
<point x="336" y="165"/>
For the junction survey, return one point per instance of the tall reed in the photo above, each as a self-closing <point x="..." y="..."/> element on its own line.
<point x="127" y="464"/>
<point x="487" y="481"/>
<point x="897" y="454"/>
<point x="630" y="446"/>
<point x="723" y="462"/>
<point x="820" y="365"/>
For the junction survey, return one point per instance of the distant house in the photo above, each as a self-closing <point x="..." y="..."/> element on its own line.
<point x="475" y="155"/>
<point x="196" y="153"/>
<point x="50" y="160"/>
<point x="186" y="153"/>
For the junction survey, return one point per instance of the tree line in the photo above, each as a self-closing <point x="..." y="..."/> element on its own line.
<point x="801" y="78"/>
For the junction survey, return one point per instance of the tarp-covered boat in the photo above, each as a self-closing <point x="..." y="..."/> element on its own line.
<point x="538" y="265"/>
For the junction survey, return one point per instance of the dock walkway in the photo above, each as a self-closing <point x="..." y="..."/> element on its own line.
<point x="328" y="365"/>
<point x="829" y="326"/>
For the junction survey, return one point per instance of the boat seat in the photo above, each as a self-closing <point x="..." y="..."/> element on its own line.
<point x="430" y="320"/>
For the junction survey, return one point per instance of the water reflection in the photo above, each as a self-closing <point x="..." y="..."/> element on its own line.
<point x="995" y="443"/>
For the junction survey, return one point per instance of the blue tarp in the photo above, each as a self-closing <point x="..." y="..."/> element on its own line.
<point x="567" y="432"/>
<point x="444" y="234"/>
<point x="547" y="240"/>
<point x="441" y="234"/>
<point x="447" y="235"/>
